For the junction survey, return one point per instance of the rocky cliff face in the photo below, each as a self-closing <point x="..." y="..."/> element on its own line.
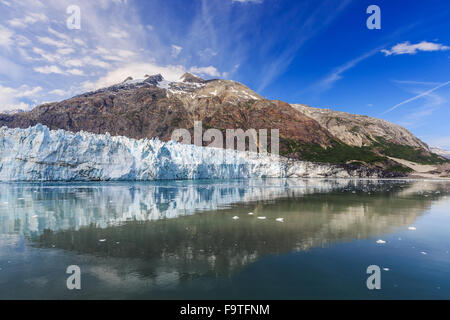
<point x="358" y="130"/>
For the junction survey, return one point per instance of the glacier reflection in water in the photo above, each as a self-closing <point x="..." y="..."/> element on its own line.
<point x="140" y="239"/>
<point x="32" y="208"/>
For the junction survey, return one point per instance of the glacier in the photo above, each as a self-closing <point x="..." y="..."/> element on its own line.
<point x="40" y="154"/>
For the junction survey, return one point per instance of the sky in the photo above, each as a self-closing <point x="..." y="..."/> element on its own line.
<point x="315" y="52"/>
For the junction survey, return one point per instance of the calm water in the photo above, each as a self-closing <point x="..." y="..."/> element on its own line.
<point x="178" y="240"/>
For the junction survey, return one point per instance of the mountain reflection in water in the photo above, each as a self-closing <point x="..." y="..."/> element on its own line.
<point x="184" y="230"/>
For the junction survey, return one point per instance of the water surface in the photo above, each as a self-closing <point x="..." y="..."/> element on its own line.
<point x="181" y="239"/>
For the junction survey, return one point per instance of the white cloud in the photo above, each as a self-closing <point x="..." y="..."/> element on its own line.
<point x="28" y="20"/>
<point x="336" y="74"/>
<point x="118" y="34"/>
<point x="10" y="97"/>
<point x="76" y="72"/>
<point x="248" y="1"/>
<point x="5" y="36"/>
<point x="423" y="94"/>
<point x="58" y="92"/>
<point x="52" y="42"/>
<point x="65" y="51"/>
<point x="209" y="71"/>
<point x="49" y="57"/>
<point x="137" y="71"/>
<point x="86" y="61"/>
<point x="125" y="53"/>
<point x="176" y="50"/>
<point x="79" y="42"/>
<point x="408" y="48"/>
<point x="28" y="92"/>
<point x="49" y="69"/>
<point x="58" y="34"/>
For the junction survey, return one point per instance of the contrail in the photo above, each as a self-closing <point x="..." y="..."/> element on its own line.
<point x="417" y="97"/>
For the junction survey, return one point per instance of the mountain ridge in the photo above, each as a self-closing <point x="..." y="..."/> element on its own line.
<point x="153" y="108"/>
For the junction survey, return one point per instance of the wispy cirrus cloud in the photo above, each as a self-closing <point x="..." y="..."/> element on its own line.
<point x="248" y="1"/>
<point x="409" y="48"/>
<point x="30" y="19"/>
<point x="416" y="97"/>
<point x="328" y="81"/>
<point x="321" y="17"/>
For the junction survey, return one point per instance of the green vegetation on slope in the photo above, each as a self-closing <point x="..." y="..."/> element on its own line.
<point x="408" y="153"/>
<point x="338" y="153"/>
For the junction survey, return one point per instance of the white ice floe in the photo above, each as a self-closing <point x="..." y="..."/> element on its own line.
<point x="381" y="241"/>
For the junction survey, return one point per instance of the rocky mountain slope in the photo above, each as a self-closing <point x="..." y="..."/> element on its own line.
<point x="375" y="135"/>
<point x="359" y="130"/>
<point x="153" y="108"/>
<point x="441" y="152"/>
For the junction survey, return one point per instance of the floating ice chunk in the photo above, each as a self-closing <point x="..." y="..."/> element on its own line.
<point x="280" y="219"/>
<point x="412" y="228"/>
<point x="381" y="241"/>
<point x="235" y="217"/>
<point x="262" y="218"/>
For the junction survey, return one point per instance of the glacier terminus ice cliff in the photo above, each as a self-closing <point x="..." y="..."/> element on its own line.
<point x="40" y="154"/>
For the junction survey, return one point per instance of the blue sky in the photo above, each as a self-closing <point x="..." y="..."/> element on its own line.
<point x="318" y="53"/>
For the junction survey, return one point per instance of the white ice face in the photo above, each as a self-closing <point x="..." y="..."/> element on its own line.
<point x="40" y="154"/>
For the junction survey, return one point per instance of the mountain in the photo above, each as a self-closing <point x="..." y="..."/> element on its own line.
<point x="374" y="135"/>
<point x="441" y="152"/>
<point x="359" y="130"/>
<point x="153" y="108"/>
